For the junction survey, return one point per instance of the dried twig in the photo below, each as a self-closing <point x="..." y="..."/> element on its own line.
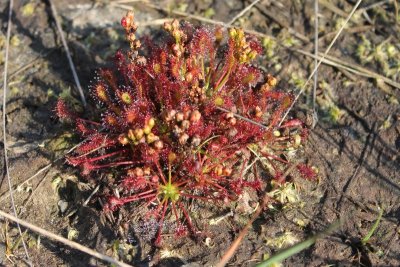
<point x="63" y="240"/>
<point x="5" y="85"/>
<point x="71" y="63"/>
<point x="282" y="23"/>
<point x="241" y="13"/>
<point x="235" y="245"/>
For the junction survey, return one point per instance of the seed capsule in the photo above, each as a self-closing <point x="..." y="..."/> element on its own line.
<point x="229" y="115"/>
<point x="218" y="170"/>
<point x="170" y="115"/>
<point x="179" y="116"/>
<point x="195" y="116"/>
<point x="271" y="80"/>
<point x="185" y="124"/>
<point x="138" y="171"/>
<point x="227" y="171"/>
<point x="147" y="170"/>
<point x="123" y="139"/>
<point x="183" y="138"/>
<point x="258" y="112"/>
<point x="159" y="144"/>
<point x="196" y="140"/>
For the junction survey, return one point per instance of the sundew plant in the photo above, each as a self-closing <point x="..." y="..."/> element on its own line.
<point x="184" y="119"/>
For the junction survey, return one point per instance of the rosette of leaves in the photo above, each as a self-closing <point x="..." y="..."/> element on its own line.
<point x="178" y="119"/>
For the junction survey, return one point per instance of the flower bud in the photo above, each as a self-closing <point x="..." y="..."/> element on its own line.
<point x="168" y="26"/>
<point x="189" y="77"/>
<point x="138" y="133"/>
<point x="271" y="80"/>
<point x="151" y="122"/>
<point x="232" y="32"/>
<point x="150" y="138"/>
<point x="131" y="135"/>
<point x="146" y="129"/>
<point x="171" y="157"/>
<point x="175" y="24"/>
<point x="139" y="171"/>
<point x="277" y="133"/>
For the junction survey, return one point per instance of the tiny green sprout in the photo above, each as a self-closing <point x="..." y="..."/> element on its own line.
<point x="269" y="45"/>
<point x="284" y="240"/>
<point x="366" y="238"/>
<point x="28" y="10"/>
<point x="387" y="123"/>
<point x="335" y="113"/>
<point x="286" y="193"/>
<point x="169" y="191"/>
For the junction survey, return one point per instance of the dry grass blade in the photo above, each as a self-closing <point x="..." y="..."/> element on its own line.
<point x="243" y="118"/>
<point x="314" y="94"/>
<point x="342" y="64"/>
<point x="235" y="245"/>
<point x="241" y="13"/>
<point x="63" y="240"/>
<point x="71" y="63"/>
<point x="5" y="85"/>
<point x="320" y="61"/>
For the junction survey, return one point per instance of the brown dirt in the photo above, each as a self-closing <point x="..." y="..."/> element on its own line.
<point x="357" y="154"/>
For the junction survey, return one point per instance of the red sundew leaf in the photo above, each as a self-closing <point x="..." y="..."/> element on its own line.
<point x="63" y="111"/>
<point x="202" y="43"/>
<point x="94" y="142"/>
<point x="254" y="44"/>
<point x="134" y="182"/>
<point x="306" y="171"/>
<point x="75" y="161"/>
<point x="83" y="129"/>
<point x="108" y="76"/>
